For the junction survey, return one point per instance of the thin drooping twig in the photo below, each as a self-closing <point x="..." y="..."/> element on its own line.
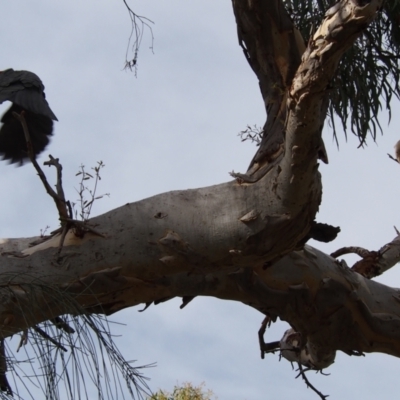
<point x="138" y="24"/>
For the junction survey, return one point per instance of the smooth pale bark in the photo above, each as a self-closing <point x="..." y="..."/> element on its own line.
<point x="242" y="240"/>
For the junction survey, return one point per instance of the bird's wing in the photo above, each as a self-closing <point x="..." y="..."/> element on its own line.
<point x="31" y="100"/>
<point x="12" y="138"/>
<point x="25" y="89"/>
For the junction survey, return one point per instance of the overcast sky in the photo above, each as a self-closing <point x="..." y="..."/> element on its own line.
<point x="175" y="126"/>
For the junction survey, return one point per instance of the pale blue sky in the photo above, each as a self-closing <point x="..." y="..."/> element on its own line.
<point x="175" y="127"/>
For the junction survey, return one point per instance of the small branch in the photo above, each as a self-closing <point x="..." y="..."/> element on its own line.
<point x="350" y="249"/>
<point x="60" y="201"/>
<point x="373" y="263"/>
<point x="390" y="156"/>
<point x="87" y="204"/>
<point x="252" y="133"/>
<point x="368" y="266"/>
<point x="60" y="191"/>
<point x="302" y="373"/>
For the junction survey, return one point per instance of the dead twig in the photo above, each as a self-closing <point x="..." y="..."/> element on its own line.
<point x="58" y="198"/>
<point x="64" y="208"/>
<point x="302" y="373"/>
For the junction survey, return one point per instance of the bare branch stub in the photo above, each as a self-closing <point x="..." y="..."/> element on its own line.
<point x="266" y="347"/>
<point x="185" y="301"/>
<point x="372" y="263"/>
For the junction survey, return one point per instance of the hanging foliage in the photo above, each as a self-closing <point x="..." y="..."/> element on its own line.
<point x="368" y="74"/>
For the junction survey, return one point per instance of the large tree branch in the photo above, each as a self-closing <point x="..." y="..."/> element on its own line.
<point x="142" y="261"/>
<point x="188" y="232"/>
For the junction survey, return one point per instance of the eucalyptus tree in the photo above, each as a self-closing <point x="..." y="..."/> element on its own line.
<point x="246" y="239"/>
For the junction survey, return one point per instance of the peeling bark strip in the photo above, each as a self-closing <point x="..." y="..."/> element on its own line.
<point x="343" y="23"/>
<point x="242" y="242"/>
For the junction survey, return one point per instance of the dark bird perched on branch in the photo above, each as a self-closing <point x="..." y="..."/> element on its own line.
<point x="26" y="92"/>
